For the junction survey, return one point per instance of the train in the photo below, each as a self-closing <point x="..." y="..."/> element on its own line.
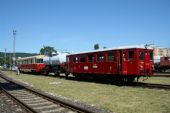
<point x="161" y="64"/>
<point x="33" y="64"/>
<point x="125" y="63"/>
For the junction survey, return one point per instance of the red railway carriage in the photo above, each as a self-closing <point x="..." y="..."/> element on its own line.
<point x="125" y="62"/>
<point x="31" y="64"/>
<point x="162" y="65"/>
<point x="165" y="62"/>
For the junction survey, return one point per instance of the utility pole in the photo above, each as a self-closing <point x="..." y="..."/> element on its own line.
<point x="9" y="60"/>
<point x="14" y="36"/>
<point x="5" y="57"/>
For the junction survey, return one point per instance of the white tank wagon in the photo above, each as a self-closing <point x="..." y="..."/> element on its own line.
<point x="56" y="59"/>
<point x="55" y="64"/>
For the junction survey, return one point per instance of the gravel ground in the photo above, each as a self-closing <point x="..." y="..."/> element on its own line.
<point x="8" y="106"/>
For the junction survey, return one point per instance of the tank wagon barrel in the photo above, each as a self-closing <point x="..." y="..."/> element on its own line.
<point x="55" y="63"/>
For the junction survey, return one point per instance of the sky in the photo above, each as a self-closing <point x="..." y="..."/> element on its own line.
<point x="76" y="25"/>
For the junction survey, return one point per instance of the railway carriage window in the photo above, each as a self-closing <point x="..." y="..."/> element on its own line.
<point x="124" y="56"/>
<point x="151" y="55"/>
<point x="131" y="55"/>
<point x="90" y="58"/>
<point x="67" y="59"/>
<point x="110" y="56"/>
<point x="70" y="59"/>
<point x="100" y="57"/>
<point x="74" y="59"/>
<point x="141" y="55"/>
<point x="82" y="58"/>
<point x="29" y="61"/>
<point x="39" y="61"/>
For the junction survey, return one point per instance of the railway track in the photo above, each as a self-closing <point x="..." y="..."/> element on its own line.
<point x="36" y="101"/>
<point x="151" y="85"/>
<point x="162" y="74"/>
<point x="8" y="105"/>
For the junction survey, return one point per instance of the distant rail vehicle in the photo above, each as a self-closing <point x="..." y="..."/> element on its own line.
<point x="31" y="64"/>
<point x="161" y="64"/>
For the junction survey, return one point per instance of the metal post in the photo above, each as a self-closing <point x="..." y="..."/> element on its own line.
<point x="9" y="60"/>
<point x="5" y="57"/>
<point x="14" y="35"/>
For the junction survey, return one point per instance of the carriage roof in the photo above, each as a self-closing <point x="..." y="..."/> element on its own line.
<point x="116" y="48"/>
<point x="31" y="57"/>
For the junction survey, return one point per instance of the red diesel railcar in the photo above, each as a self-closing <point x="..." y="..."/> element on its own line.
<point x="31" y="64"/>
<point x="127" y="63"/>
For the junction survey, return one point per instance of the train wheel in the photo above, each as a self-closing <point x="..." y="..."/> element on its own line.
<point x="57" y="73"/>
<point x="119" y="80"/>
<point x="46" y="73"/>
<point x="130" y="79"/>
<point x="66" y="73"/>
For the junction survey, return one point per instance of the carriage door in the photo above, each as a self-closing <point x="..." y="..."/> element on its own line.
<point x="124" y="62"/>
<point x="146" y="62"/>
<point x="121" y="64"/>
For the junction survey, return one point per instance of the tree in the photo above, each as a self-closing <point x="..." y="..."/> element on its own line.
<point x="1" y="61"/>
<point x="104" y="47"/>
<point x="96" y="46"/>
<point x="47" y="50"/>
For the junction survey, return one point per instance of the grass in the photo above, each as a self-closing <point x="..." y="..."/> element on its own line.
<point x="109" y="97"/>
<point x="157" y="80"/>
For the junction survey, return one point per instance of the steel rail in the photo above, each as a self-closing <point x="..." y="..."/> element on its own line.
<point x="22" y="104"/>
<point x="151" y="85"/>
<point x="161" y="74"/>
